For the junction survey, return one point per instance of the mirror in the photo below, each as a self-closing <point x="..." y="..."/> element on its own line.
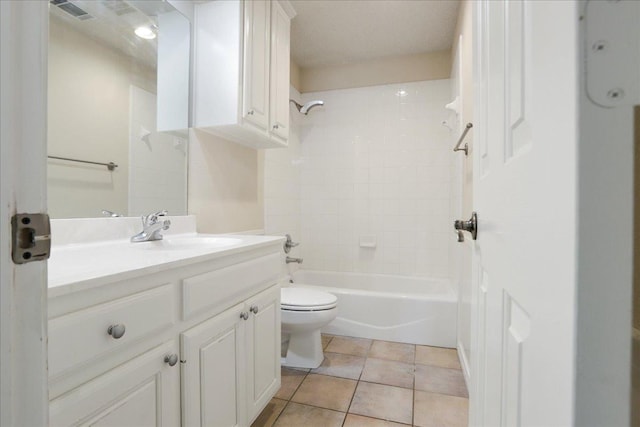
<point x="118" y="108"/>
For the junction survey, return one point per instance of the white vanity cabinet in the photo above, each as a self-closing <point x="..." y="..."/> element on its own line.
<point x="241" y="75"/>
<point x="232" y="363"/>
<point x="196" y="344"/>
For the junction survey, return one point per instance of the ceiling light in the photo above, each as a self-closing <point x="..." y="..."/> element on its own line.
<point x="145" y="33"/>
<point x="401" y="93"/>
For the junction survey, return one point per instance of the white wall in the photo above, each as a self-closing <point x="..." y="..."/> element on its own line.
<point x="224" y="185"/>
<point x="376" y="163"/>
<point x="381" y="71"/>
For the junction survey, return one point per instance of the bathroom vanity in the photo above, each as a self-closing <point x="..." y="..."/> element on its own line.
<point x="180" y="331"/>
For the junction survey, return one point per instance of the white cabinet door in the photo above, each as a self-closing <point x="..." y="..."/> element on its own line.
<point x="262" y="349"/>
<point x="280" y="63"/>
<point x="142" y="392"/>
<point x="257" y="18"/>
<point x="212" y="373"/>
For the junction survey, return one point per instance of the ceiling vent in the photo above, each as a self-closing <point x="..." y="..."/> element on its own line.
<point x="72" y="9"/>
<point x="119" y="7"/>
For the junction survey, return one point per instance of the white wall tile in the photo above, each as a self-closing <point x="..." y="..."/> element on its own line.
<point x="369" y="163"/>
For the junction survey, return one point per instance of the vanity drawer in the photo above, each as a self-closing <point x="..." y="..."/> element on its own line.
<point x="82" y="336"/>
<point x="218" y="290"/>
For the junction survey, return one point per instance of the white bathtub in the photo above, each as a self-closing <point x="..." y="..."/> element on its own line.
<point x="391" y="308"/>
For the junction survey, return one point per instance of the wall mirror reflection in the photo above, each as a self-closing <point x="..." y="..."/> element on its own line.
<point x="118" y="89"/>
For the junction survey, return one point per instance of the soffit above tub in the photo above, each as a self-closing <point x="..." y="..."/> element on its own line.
<point x="329" y="32"/>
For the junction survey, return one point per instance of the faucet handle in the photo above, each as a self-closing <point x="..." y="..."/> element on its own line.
<point x="152" y="218"/>
<point x="289" y="244"/>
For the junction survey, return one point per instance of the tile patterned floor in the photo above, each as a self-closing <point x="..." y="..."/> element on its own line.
<point x="366" y="382"/>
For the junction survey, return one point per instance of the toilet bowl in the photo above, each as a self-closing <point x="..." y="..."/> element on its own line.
<point x="304" y="312"/>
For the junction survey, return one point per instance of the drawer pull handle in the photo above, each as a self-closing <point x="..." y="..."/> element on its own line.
<point x="250" y="112"/>
<point x="116" y="331"/>
<point x="244" y="315"/>
<point x="254" y="309"/>
<point x="171" y="359"/>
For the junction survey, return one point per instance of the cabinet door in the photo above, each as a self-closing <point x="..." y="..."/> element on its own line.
<point x="280" y="63"/>
<point x="212" y="373"/>
<point x="142" y="392"/>
<point x="257" y="17"/>
<point x="263" y="349"/>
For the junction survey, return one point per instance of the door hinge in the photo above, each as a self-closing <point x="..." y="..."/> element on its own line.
<point x="612" y="52"/>
<point x="30" y="238"/>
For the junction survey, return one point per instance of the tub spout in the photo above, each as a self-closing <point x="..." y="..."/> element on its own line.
<point x="290" y="260"/>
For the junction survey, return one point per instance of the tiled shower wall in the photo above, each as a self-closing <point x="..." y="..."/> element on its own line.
<point x="282" y="184"/>
<point x="375" y="171"/>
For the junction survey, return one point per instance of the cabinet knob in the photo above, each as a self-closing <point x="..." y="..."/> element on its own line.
<point x="276" y="126"/>
<point x="171" y="359"/>
<point x="250" y="113"/>
<point x="244" y="315"/>
<point x="116" y="331"/>
<point x="254" y="309"/>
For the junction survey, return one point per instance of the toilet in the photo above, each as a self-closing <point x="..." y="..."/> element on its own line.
<point x="304" y="313"/>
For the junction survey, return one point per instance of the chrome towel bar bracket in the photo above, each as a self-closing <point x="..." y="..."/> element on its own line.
<point x="464" y="134"/>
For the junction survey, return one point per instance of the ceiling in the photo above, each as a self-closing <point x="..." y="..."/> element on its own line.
<point x="327" y="32"/>
<point x="111" y="23"/>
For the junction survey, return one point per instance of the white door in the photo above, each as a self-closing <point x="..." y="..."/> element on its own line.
<point x="24" y="32"/>
<point x="525" y="147"/>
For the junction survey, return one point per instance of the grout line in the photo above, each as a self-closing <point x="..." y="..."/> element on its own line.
<point x="359" y="380"/>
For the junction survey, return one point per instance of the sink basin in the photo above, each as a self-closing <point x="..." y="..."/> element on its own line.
<point x="187" y="243"/>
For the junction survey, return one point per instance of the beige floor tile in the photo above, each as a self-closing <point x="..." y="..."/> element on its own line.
<point x="325" y="392"/>
<point x="384" y="402"/>
<point x="393" y="351"/>
<point x="440" y="380"/>
<point x="341" y="365"/>
<point x="388" y="372"/>
<point x="270" y="413"/>
<point x="437" y="356"/>
<point x="291" y="379"/>
<point x="296" y="415"/>
<point x="326" y="339"/>
<point x="348" y="345"/>
<point x="437" y="410"/>
<point x="354" y="420"/>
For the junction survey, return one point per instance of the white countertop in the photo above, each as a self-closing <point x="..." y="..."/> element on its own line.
<point x="92" y="262"/>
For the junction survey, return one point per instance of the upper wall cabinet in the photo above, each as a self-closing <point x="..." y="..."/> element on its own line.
<point x="241" y="76"/>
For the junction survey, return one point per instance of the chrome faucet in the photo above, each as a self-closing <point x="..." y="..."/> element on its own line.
<point x="110" y="214"/>
<point x="151" y="227"/>
<point x="290" y="260"/>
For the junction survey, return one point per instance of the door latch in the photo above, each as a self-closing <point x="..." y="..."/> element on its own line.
<point x="30" y="238"/>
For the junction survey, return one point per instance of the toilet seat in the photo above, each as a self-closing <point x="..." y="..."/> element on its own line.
<point x="301" y="299"/>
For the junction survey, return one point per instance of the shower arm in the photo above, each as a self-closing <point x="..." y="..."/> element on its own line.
<point x="298" y="106"/>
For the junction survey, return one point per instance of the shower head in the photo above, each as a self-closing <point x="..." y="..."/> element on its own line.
<point x="304" y="109"/>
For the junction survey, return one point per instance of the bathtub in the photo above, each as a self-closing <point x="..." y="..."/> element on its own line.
<point x="390" y="308"/>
